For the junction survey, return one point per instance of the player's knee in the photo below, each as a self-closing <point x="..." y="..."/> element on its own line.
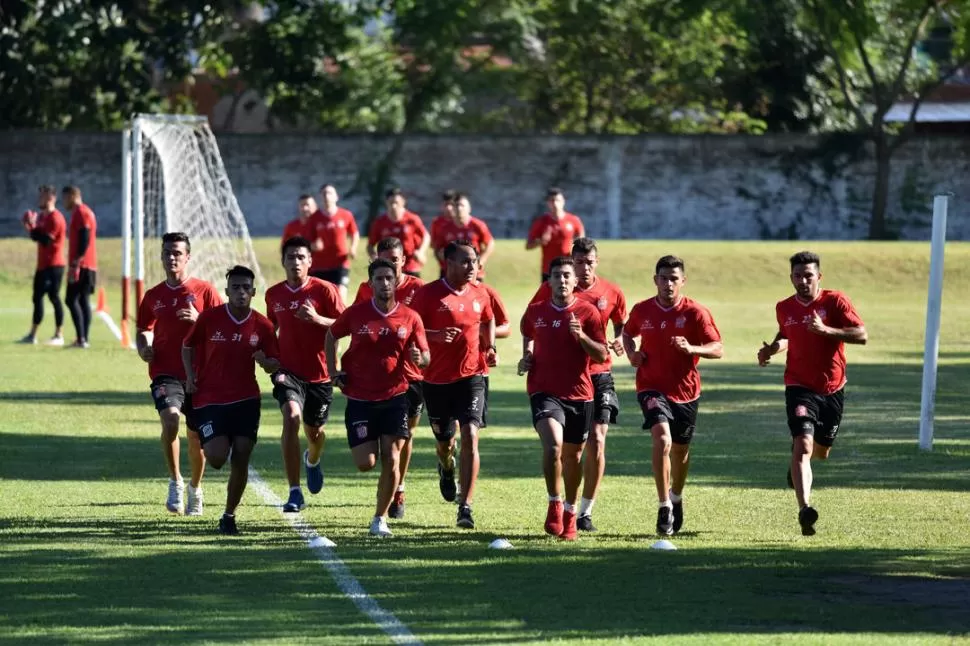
<point x="366" y="464"/>
<point x="552" y="450"/>
<point x="314" y="433"/>
<point x="597" y="437"/>
<point x="215" y="459"/>
<point x="661" y="436"/>
<point x="169" y="418"/>
<point x="803" y="445"/>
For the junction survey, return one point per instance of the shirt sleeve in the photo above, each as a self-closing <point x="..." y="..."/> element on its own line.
<point x="535" y="231"/>
<point x="850" y="318"/>
<point x="269" y="344"/>
<point x="211" y="298"/>
<point x="418" y="336"/>
<point x="525" y="326"/>
<point x="578" y="227"/>
<point x="419" y="229"/>
<point x="632" y="326"/>
<point x="498" y="308"/>
<point x="593" y="326"/>
<point x="351" y="224"/>
<point x="484" y="233"/>
<point x="270" y="314"/>
<point x="487" y="313"/>
<point x="146" y="316"/>
<point x="706" y="329"/>
<point x="341" y="327"/>
<point x="196" y="333"/>
<point x="619" y="310"/>
<point x="373" y="235"/>
<point x="779" y="319"/>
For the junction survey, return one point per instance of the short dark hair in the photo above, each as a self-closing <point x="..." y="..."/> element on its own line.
<point x="239" y="270"/>
<point x="71" y="190"/>
<point x="394" y="192"/>
<point x="459" y="196"/>
<point x="553" y="191"/>
<point x="805" y="258"/>
<point x="670" y="262"/>
<point x="47" y="188"/>
<point x="449" y="195"/>
<point x="177" y="236"/>
<point x="388" y="244"/>
<point x="561" y="261"/>
<point x="378" y="264"/>
<point x="452" y="248"/>
<point x="296" y="242"/>
<point x="584" y="246"/>
<point x="305" y="196"/>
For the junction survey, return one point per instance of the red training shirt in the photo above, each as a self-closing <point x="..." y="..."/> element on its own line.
<point x="375" y="363"/>
<point x="224" y="350"/>
<point x="51" y="255"/>
<point x="436" y="236"/>
<point x="474" y="231"/>
<point x="606" y="297"/>
<point x="666" y="369"/>
<point x="302" y="343"/>
<point x="560" y="364"/>
<point x="440" y="306"/>
<point x="409" y="230"/>
<point x="296" y="228"/>
<point x="564" y="231"/>
<point x="334" y="231"/>
<point x="404" y="293"/>
<point x="501" y="318"/>
<point x="815" y="362"/>
<point x="158" y="313"/>
<point x="83" y="218"/>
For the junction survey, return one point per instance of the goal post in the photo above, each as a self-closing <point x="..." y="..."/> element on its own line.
<point x="934" y="304"/>
<point x="174" y="179"/>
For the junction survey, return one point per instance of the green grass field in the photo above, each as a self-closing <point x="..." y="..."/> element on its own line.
<point x="88" y="553"/>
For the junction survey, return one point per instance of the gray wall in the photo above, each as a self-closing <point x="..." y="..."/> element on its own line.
<point x="716" y="187"/>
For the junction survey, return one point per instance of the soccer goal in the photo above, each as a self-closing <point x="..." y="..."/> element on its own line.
<point x="173" y="179"/>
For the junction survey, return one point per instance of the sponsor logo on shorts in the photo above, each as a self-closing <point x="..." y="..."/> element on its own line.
<point x="160" y="391"/>
<point x="361" y="430"/>
<point x="652" y="402"/>
<point x="801" y="411"/>
<point x="280" y="378"/>
<point x="206" y="429"/>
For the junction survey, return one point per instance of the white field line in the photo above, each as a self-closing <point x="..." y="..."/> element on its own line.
<point x="345" y="580"/>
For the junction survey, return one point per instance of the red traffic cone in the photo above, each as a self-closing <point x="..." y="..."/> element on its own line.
<point x="102" y="306"/>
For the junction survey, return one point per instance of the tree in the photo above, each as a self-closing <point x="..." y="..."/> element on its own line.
<point x="873" y="61"/>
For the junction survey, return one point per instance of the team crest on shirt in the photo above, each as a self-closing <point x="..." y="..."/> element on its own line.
<point x="568" y="227"/>
<point x="254" y="340"/>
<point x="476" y="306"/>
<point x="340" y="224"/>
<point x="601" y="303"/>
<point x="190" y="298"/>
<point x="681" y="321"/>
<point x="402" y="332"/>
<point x="821" y="314"/>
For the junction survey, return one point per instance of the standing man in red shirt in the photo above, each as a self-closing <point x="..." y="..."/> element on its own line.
<point x="814" y="324"/>
<point x="454" y="311"/>
<point x="554" y="230"/>
<point x="165" y="315"/>
<point x="385" y="337"/>
<point x="46" y="227"/>
<point x="674" y="332"/>
<point x="560" y="337"/>
<point x="83" y="263"/>
<point x="443" y="219"/>
<point x="306" y="206"/>
<point x="465" y="227"/>
<point x="335" y="238"/>
<point x="219" y="355"/>
<point x="407" y="286"/>
<point x="398" y="222"/>
<point x="301" y="309"/>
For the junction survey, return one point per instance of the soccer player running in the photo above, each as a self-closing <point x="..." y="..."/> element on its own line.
<point x="814" y="324"/>
<point x="609" y="301"/>
<point x="300" y="226"/>
<point x="457" y="316"/>
<point x="47" y="228"/>
<point x="385" y="336"/>
<point x="302" y="308"/>
<point x="219" y="354"/>
<point x="165" y="315"/>
<point x="333" y="232"/>
<point x="465" y="227"/>
<point x="560" y="337"/>
<point x="444" y="218"/>
<point x="554" y="230"/>
<point x="398" y="222"/>
<point x="674" y="332"/>
<point x="82" y="263"/>
<point x="392" y="250"/>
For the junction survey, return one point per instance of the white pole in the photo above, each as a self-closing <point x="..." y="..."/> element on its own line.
<point x="934" y="303"/>
<point x="126" y="204"/>
<point x="138" y="215"/>
<point x="614" y="186"/>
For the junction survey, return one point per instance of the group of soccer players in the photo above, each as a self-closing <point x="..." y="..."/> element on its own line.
<point x="412" y="345"/>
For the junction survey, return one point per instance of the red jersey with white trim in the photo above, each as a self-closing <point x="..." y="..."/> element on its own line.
<point x="157" y="313"/>
<point x="295" y="228"/>
<point x="404" y="293"/>
<point x="666" y="369"/>
<point x="83" y="218"/>
<point x="375" y="363"/>
<point x="224" y="350"/>
<point x="501" y="318"/>
<point x="563" y="231"/>
<point x="560" y="365"/>
<point x="409" y="230"/>
<point x="440" y="307"/>
<point x="52" y="224"/>
<point x="302" y="343"/>
<point x="335" y="232"/>
<point x="606" y="297"/>
<point x="474" y="231"/>
<point x="436" y="237"/>
<point x="815" y="362"/>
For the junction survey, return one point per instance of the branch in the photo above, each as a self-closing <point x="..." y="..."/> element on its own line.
<point x="910" y="46"/>
<point x="870" y="70"/>
<point x="927" y="89"/>
<point x="843" y="80"/>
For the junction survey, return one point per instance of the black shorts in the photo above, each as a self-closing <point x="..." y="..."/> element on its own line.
<point x="485" y="408"/>
<point x="169" y="392"/>
<point x="415" y="395"/>
<point x="48" y="281"/>
<point x="575" y="417"/>
<point x="368" y="421"/>
<point x="339" y="276"/>
<point x="606" y="405"/>
<point x="87" y="281"/>
<point x="462" y="401"/>
<point x="810" y="413"/>
<point x="314" y="398"/>
<point x="682" y="418"/>
<point x="238" y="419"/>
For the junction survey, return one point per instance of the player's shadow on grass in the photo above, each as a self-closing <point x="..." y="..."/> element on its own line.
<point x="81" y="398"/>
<point x="79" y="458"/>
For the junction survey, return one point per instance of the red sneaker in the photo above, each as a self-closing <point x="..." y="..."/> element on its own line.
<point x="568" y="526"/>
<point x="554" y="518"/>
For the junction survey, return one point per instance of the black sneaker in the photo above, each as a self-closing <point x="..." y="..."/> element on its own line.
<point x="227" y="525"/>
<point x="465" y="520"/>
<point x="397" y="506"/>
<point x="678" y="513"/>
<point x="807" y="518"/>
<point x="665" y="521"/>
<point x="585" y="524"/>
<point x="791" y="483"/>
<point x="446" y="483"/>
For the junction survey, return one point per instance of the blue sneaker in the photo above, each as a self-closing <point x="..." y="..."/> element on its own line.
<point x="295" y="503"/>
<point x="314" y="475"/>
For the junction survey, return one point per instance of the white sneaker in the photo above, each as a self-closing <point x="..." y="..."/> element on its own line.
<point x="176" y="491"/>
<point x="56" y="341"/>
<point x="379" y="528"/>
<point x="193" y="507"/>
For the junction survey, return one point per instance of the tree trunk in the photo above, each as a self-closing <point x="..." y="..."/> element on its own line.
<point x="880" y="194"/>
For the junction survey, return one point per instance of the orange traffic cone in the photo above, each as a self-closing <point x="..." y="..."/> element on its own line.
<point x="125" y="339"/>
<point x="102" y="306"/>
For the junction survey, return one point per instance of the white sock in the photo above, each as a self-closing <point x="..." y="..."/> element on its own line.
<point x="178" y="480"/>
<point x="554" y="498"/>
<point x="667" y="504"/>
<point x="295" y="488"/>
<point x="310" y="464"/>
<point x="379" y="519"/>
<point x="567" y="507"/>
<point x="586" y="506"/>
<point x="674" y="498"/>
<point x="400" y="487"/>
